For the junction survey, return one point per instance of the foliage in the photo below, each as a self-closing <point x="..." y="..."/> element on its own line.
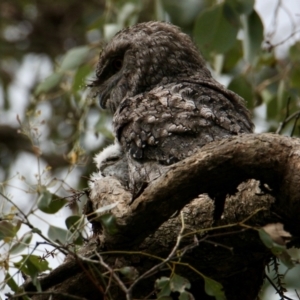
<point x="69" y="35"/>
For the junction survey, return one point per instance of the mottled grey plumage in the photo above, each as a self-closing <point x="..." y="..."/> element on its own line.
<point x="165" y="102"/>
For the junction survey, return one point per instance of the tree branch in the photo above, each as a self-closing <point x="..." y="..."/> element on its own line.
<point x="221" y="166"/>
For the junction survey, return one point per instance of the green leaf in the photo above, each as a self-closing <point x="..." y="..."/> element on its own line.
<point x="48" y="84"/>
<point x="163" y="284"/>
<point x="47" y="204"/>
<point x="242" y="6"/>
<point x="287" y="260"/>
<point x="109" y="223"/>
<point x="282" y="95"/>
<point x="79" y="81"/>
<point x="58" y="234"/>
<point x="32" y="265"/>
<point x="277" y="250"/>
<point x="184" y="12"/>
<point x="231" y="15"/>
<point x="267" y="59"/>
<point x="269" y="243"/>
<point x="216" y="29"/>
<point x="35" y="263"/>
<point x="186" y="296"/>
<point x="179" y="283"/>
<point x="272" y="104"/>
<point x="21" y="244"/>
<point x="265" y="238"/>
<point x="11" y="283"/>
<point x="253" y="36"/>
<point x="242" y="87"/>
<point x="72" y="222"/>
<point x="295" y="75"/>
<point x="175" y="284"/>
<point x="232" y="57"/>
<point x="213" y="288"/>
<point x="7" y="230"/>
<point x="74" y="58"/>
<point x="129" y="273"/>
<point x="294" y="52"/>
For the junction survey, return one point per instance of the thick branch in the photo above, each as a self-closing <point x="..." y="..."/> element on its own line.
<point x="219" y="166"/>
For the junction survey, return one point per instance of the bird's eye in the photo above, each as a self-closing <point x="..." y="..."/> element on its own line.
<point x="117" y="64"/>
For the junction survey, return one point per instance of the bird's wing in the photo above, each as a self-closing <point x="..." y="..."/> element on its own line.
<point x="171" y="122"/>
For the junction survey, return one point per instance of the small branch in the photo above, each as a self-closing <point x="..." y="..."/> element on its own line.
<point x="115" y="276"/>
<point x="164" y="262"/>
<point x="295" y="123"/>
<point x="67" y="296"/>
<point x="282" y="124"/>
<point x="276" y="289"/>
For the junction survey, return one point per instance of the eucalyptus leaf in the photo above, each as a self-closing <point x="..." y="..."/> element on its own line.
<point x="265" y="238"/>
<point x="48" y="84"/>
<point x="222" y="31"/>
<point x="32" y="265"/>
<point x="269" y="243"/>
<point x="11" y="283"/>
<point x="48" y="204"/>
<point x="294" y="52"/>
<point x="253" y="36"/>
<point x="73" y="222"/>
<point x="163" y="284"/>
<point x="130" y="273"/>
<point x="287" y="260"/>
<point x="79" y="80"/>
<point x="179" y="283"/>
<point x="74" y="58"/>
<point x="109" y="223"/>
<point x="58" y="234"/>
<point x="242" y="87"/>
<point x="213" y="288"/>
<point x="186" y="296"/>
<point x="242" y="6"/>
<point x="22" y="243"/>
<point x="7" y="230"/>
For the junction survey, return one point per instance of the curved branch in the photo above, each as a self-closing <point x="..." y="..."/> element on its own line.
<point x="219" y="166"/>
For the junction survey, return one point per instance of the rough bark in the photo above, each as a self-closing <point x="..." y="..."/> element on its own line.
<point x="233" y="256"/>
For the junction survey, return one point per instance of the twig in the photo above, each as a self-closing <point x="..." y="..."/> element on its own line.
<point x="115" y="276"/>
<point x="296" y="115"/>
<point x="294" y="125"/>
<point x="286" y="39"/>
<point x="158" y="266"/>
<point x="34" y="229"/>
<point x="67" y="296"/>
<point x="275" y="287"/>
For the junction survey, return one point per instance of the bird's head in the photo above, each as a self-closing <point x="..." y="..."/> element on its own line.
<point x="143" y="56"/>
